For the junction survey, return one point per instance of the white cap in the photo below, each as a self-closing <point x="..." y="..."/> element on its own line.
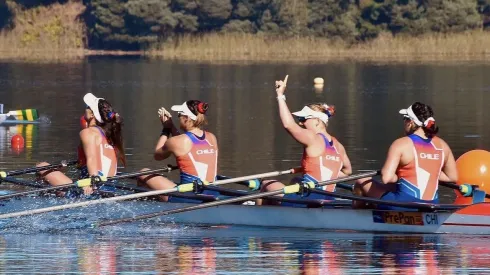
<point x="411" y="115"/>
<point x="307" y="112"/>
<point x="93" y="102"/>
<point x="184" y="109"/>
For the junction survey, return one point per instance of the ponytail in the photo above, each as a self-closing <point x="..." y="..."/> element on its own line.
<point x="425" y="114"/>
<point x="112" y="127"/>
<point x="430" y="128"/>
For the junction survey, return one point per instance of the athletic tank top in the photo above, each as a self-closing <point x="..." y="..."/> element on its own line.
<point x="106" y="158"/>
<point x="201" y="161"/>
<point x="420" y="178"/>
<point x="324" y="167"/>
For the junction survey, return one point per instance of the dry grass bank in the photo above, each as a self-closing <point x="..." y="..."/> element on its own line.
<point x="45" y="33"/>
<point x="386" y="48"/>
<point x="55" y="33"/>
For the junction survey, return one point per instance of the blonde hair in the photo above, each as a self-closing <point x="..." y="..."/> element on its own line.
<point x="323" y="107"/>
<point x="329" y="110"/>
<point x="200" y="121"/>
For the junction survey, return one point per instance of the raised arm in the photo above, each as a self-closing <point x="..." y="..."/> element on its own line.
<point x="164" y="146"/>
<point x="301" y="135"/>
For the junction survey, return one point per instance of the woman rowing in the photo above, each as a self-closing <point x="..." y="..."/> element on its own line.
<point x="324" y="157"/>
<point x="415" y="163"/>
<point x="101" y="143"/>
<point x="195" y="150"/>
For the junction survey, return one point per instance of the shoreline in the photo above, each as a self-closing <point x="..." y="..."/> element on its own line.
<point x="240" y="48"/>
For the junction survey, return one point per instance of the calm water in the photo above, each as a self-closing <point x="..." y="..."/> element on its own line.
<point x="244" y="117"/>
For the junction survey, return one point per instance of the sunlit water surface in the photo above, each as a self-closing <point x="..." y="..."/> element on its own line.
<point x="243" y="115"/>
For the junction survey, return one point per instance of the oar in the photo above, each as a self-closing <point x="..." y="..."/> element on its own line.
<point x="181" y="188"/>
<point x="137" y="189"/>
<point x="308" y="202"/>
<point x="416" y="205"/>
<point x="63" y="163"/>
<point x="286" y="190"/>
<point x="86" y="182"/>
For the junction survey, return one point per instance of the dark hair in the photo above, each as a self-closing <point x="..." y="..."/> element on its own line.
<point x="198" y="108"/>
<point x="112" y="126"/>
<point x="423" y="112"/>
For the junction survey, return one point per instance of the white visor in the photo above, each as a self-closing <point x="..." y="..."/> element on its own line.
<point x="410" y="114"/>
<point x="93" y="102"/>
<point x="184" y="110"/>
<point x="307" y="112"/>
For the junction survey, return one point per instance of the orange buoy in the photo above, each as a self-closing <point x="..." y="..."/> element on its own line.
<point x="474" y="169"/>
<point x="17" y="141"/>
<point x="83" y="122"/>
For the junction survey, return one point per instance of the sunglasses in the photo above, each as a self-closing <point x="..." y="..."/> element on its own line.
<point x="303" y="119"/>
<point x="406" y="118"/>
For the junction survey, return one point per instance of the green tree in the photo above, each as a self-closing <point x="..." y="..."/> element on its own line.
<point x="418" y="17"/>
<point x="334" y="19"/>
<point x="213" y="13"/>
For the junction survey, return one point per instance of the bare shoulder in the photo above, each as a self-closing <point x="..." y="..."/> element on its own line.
<point x="89" y="132"/>
<point x="443" y="143"/>
<point x="338" y="144"/>
<point x="179" y="140"/>
<point x="212" y="137"/>
<point x="401" y="143"/>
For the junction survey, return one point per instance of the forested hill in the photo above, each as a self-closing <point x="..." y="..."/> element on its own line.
<point x="137" y="24"/>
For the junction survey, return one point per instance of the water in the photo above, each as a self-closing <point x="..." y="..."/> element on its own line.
<point x="243" y="115"/>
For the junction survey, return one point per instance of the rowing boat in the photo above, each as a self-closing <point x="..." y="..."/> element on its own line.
<point x="27" y="116"/>
<point x="474" y="219"/>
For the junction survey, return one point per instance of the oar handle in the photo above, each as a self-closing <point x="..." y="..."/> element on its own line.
<point x="465" y="189"/>
<point x="62" y="163"/>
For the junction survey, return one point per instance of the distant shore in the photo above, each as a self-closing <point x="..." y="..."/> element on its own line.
<point x="55" y="33"/>
<point x="470" y="46"/>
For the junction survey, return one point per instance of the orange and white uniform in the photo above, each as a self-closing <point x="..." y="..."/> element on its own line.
<point x="106" y="160"/>
<point x="420" y="178"/>
<point x="324" y="167"/>
<point x="201" y="161"/>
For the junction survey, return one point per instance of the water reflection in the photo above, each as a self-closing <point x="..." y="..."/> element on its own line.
<point x="243" y="115"/>
<point x="280" y="253"/>
<point x="28" y="131"/>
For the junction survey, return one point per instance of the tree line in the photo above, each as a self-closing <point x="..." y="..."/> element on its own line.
<point x="139" y="24"/>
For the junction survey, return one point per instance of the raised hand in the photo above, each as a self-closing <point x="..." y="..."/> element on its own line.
<point x="281" y="86"/>
<point x="164" y="116"/>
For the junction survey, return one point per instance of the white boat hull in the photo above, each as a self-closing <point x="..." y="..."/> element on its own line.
<point x="268" y="216"/>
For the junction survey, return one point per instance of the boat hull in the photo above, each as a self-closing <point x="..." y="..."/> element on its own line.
<point x="476" y="220"/>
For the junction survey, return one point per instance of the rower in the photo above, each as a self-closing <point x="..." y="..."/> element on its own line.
<point x="101" y="143"/>
<point x="195" y="150"/>
<point x="324" y="157"/>
<point x="415" y="163"/>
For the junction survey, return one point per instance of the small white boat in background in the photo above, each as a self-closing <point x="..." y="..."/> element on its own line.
<point x="26" y="116"/>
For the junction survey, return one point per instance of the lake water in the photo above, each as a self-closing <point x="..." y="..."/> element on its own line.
<point x="243" y="114"/>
